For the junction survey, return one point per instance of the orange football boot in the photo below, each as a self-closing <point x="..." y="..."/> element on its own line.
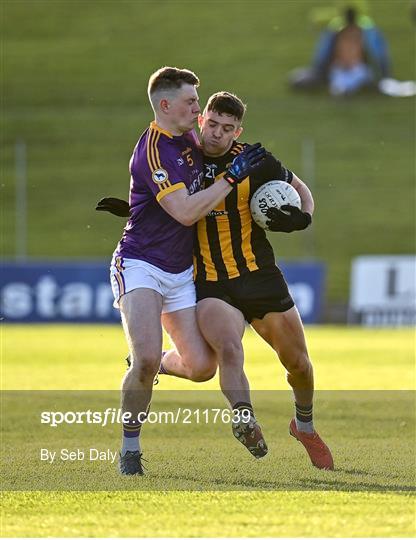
<point x="318" y="451"/>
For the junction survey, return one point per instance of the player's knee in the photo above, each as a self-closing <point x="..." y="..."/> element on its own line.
<point x="203" y="374"/>
<point x="145" y="367"/>
<point x="204" y="368"/>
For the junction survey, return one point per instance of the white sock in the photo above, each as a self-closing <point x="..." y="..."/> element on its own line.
<point x="306" y="427"/>
<point x="130" y="444"/>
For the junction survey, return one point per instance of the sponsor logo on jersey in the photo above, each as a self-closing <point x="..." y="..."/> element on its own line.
<point x="159" y="176"/>
<point x="196" y="183"/>
<point x="180" y="161"/>
<point x="215" y="213"/>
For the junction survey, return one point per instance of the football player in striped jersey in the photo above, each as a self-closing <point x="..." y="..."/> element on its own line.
<point x="237" y="279"/>
<point x="151" y="269"/>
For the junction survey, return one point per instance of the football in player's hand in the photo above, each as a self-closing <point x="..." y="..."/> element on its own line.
<point x="273" y="194"/>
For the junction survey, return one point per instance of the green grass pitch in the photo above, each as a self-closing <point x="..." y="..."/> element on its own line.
<point x="226" y="492"/>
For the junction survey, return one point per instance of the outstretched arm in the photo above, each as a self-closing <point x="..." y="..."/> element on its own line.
<point x="188" y="209"/>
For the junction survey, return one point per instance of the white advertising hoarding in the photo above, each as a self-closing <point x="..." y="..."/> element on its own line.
<point x="383" y="290"/>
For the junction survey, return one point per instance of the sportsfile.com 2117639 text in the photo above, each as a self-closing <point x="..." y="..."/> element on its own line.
<point x="113" y="415"/>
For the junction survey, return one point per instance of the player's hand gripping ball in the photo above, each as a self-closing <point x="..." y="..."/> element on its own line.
<point x="276" y="206"/>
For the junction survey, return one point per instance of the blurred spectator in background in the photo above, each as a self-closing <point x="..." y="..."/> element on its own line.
<point x="351" y="54"/>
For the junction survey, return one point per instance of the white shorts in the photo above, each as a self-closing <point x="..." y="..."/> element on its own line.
<point x="177" y="290"/>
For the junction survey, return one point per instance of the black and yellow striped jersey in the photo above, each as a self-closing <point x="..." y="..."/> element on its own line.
<point x="228" y="242"/>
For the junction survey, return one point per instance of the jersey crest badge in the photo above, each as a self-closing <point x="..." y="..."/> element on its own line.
<point x="159" y="176"/>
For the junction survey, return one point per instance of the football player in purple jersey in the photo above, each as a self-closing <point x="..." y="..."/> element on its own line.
<point x="151" y="269"/>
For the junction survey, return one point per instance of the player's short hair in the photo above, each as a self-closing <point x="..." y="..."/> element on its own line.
<point x="226" y="103"/>
<point x="170" y="78"/>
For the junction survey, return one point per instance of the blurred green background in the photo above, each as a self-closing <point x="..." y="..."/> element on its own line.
<point x="74" y="76"/>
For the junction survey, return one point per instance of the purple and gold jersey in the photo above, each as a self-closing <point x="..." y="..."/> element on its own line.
<point x="161" y="163"/>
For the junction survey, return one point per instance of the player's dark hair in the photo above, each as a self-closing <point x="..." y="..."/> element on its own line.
<point x="171" y="78"/>
<point x="226" y="103"/>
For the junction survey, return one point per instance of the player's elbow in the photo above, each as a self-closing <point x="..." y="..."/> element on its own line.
<point x="189" y="213"/>
<point x="186" y="220"/>
<point x="180" y="215"/>
<point x="187" y="217"/>
<point x="181" y="211"/>
<point x="190" y="220"/>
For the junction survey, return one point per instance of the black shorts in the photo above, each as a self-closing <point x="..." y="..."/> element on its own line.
<point x="255" y="294"/>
